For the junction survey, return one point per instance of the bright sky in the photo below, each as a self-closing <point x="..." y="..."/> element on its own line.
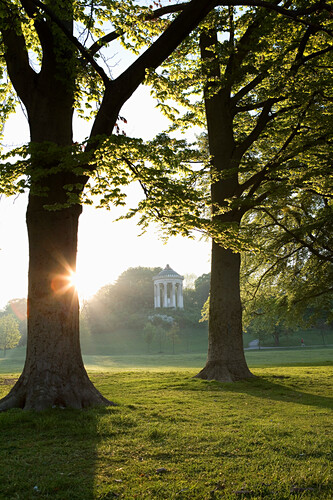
<point x="105" y="248"/>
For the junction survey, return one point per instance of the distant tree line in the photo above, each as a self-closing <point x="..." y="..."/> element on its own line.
<point x="128" y="306"/>
<point x="128" y="303"/>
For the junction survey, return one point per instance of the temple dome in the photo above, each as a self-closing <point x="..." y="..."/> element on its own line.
<point x="168" y="273"/>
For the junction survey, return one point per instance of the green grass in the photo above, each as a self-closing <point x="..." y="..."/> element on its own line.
<point x="193" y="340"/>
<point x="265" y="438"/>
<point x="14" y="360"/>
<point x="312" y="337"/>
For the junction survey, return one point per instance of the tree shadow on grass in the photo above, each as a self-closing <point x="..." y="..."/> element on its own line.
<point x="53" y="453"/>
<point x="265" y="388"/>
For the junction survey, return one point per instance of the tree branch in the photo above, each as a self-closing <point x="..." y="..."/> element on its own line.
<point x="244" y="46"/>
<point x="262" y="121"/>
<point x="255" y="181"/>
<point x="85" y="53"/>
<point x="134" y="170"/>
<point x="42" y="29"/>
<point x="278" y="260"/>
<point x="194" y="12"/>
<point x="251" y="107"/>
<point x="292" y="14"/>
<point x="96" y="46"/>
<point x="120" y="89"/>
<point x="316" y="54"/>
<point x="21" y="74"/>
<point x="169" y="9"/>
<point x="300" y="240"/>
<point x="313" y="295"/>
<point x="302" y="46"/>
<point x="193" y="6"/>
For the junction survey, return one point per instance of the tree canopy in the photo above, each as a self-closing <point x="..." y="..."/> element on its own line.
<point x="274" y="77"/>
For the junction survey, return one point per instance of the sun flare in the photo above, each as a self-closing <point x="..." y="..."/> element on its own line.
<point x="81" y="284"/>
<point x="73" y="280"/>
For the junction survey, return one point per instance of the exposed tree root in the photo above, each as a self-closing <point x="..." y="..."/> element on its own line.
<point x="39" y="396"/>
<point x="225" y="372"/>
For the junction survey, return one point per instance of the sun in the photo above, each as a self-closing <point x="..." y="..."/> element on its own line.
<point x="73" y="280"/>
<point x="81" y="284"/>
<point x="78" y="282"/>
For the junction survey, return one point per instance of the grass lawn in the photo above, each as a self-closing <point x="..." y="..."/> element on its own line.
<point x="174" y="437"/>
<point x="13" y="362"/>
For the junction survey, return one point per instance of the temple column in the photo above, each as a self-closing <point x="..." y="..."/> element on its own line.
<point x="173" y="295"/>
<point x="165" y="302"/>
<point x="158" y="295"/>
<point x="180" y="296"/>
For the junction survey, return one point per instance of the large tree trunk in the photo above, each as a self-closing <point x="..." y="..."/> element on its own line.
<point x="54" y="374"/>
<point x="226" y="361"/>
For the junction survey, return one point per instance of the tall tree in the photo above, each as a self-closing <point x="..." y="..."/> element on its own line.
<point x="51" y="73"/>
<point x="266" y="82"/>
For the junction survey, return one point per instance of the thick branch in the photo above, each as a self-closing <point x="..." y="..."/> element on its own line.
<point x="302" y="46"/>
<point x="85" y="53"/>
<point x="263" y="119"/>
<point x="169" y="9"/>
<point x="119" y="90"/>
<point x="211" y="63"/>
<point x="20" y="72"/>
<point x="244" y="46"/>
<point x="96" y="46"/>
<point x="193" y="13"/>
<point x="317" y="54"/>
<point x="42" y="28"/>
<point x="251" y="107"/>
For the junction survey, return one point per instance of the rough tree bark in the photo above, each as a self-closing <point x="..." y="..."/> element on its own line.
<point x="226" y="361"/>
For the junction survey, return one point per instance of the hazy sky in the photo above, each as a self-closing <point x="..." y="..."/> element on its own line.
<point x="105" y="249"/>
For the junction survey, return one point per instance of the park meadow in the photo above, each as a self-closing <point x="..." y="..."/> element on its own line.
<point x="172" y="436"/>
